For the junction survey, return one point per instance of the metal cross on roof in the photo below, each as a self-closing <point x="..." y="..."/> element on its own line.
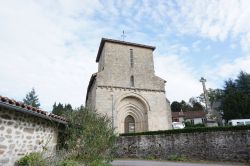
<point x="123" y="35"/>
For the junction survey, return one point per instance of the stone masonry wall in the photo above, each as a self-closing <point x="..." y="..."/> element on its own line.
<point x="115" y="62"/>
<point x="21" y="133"/>
<point x="220" y="146"/>
<point x="159" y="115"/>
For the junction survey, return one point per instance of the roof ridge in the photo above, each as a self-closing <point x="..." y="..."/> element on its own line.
<point x="27" y="107"/>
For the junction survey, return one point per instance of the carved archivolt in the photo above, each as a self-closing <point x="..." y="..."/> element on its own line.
<point x="134" y="105"/>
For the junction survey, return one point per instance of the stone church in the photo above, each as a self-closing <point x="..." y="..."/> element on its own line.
<point x="126" y="88"/>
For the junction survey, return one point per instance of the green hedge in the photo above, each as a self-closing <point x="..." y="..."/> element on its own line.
<point x="190" y="130"/>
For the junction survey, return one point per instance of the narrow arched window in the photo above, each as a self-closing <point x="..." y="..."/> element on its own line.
<point x="132" y="81"/>
<point x="131" y="58"/>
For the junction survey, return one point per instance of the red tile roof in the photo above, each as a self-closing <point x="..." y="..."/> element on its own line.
<point x="189" y="114"/>
<point x="29" y="109"/>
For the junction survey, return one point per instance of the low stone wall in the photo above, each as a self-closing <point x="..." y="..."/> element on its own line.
<point x="22" y="133"/>
<point x="216" y="146"/>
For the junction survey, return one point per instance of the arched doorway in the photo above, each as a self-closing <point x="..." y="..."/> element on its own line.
<point x="131" y="113"/>
<point x="129" y="125"/>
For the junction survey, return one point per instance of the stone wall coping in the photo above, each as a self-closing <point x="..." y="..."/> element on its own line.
<point x="27" y="109"/>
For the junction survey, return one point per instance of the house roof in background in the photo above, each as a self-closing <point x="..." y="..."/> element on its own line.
<point x="189" y="114"/>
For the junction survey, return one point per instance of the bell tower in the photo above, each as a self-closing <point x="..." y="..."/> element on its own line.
<point x="127" y="89"/>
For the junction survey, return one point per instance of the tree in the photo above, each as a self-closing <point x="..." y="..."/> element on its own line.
<point x="32" y="99"/>
<point x="214" y="95"/>
<point x="175" y="106"/>
<point x="236" y="98"/>
<point x="185" y="106"/>
<point x="196" y="105"/>
<point x="193" y="105"/>
<point x="57" y="109"/>
<point x="61" y="109"/>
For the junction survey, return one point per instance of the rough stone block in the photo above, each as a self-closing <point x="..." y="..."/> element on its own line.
<point x="9" y="131"/>
<point x="29" y="130"/>
<point x="3" y="146"/>
<point x="4" y="161"/>
<point x="1" y="151"/>
<point x="6" y="116"/>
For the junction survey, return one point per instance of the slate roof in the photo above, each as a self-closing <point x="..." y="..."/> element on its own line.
<point x="21" y="107"/>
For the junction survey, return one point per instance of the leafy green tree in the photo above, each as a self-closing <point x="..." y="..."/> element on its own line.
<point x="236" y="98"/>
<point x="62" y="110"/>
<point x="58" y="109"/>
<point x="185" y="106"/>
<point x="196" y="105"/>
<point x="175" y="106"/>
<point x="214" y="95"/>
<point x="32" y="99"/>
<point x="193" y="105"/>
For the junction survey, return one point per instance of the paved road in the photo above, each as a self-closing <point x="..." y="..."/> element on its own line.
<point x="165" y="163"/>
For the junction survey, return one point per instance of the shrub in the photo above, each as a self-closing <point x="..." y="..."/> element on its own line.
<point x="89" y="137"/>
<point x="190" y="125"/>
<point x="32" y="159"/>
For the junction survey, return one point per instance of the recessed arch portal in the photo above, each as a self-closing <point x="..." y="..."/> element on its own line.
<point x="132" y="109"/>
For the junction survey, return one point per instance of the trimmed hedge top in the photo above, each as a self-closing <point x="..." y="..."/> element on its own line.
<point x="190" y="130"/>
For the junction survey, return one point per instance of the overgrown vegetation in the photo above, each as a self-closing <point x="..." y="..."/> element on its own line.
<point x="32" y="159"/>
<point x="190" y="130"/>
<point x="88" y="139"/>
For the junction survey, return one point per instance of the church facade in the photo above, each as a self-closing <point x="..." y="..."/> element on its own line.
<point x="126" y="88"/>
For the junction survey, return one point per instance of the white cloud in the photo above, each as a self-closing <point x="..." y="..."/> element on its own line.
<point x="213" y="19"/>
<point x="44" y="49"/>
<point x="245" y="42"/>
<point x="182" y="83"/>
<point x="51" y="45"/>
<point x="232" y="69"/>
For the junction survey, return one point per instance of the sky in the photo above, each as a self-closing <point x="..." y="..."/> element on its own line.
<point x="52" y="45"/>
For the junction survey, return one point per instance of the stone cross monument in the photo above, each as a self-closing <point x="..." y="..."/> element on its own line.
<point x="207" y="102"/>
<point x="210" y="113"/>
